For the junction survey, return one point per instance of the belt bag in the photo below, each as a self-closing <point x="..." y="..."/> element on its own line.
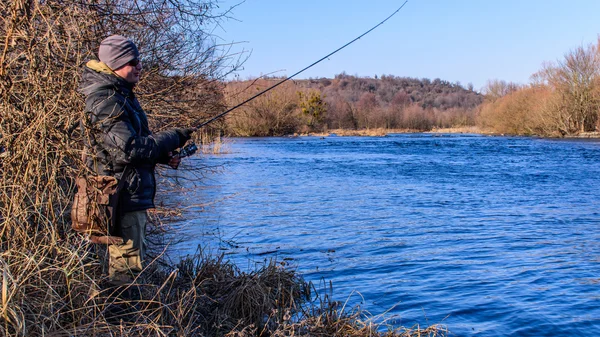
<point x="94" y="208"/>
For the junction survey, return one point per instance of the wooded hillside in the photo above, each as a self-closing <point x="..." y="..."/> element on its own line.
<point x="350" y="102"/>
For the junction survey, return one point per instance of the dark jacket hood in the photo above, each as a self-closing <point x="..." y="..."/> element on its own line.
<point x="97" y="76"/>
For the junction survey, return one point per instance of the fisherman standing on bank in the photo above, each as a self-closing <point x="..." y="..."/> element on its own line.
<point x="120" y="144"/>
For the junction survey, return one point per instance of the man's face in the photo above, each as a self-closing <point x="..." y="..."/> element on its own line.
<point x="131" y="71"/>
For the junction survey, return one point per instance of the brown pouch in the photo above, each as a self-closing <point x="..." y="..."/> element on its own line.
<point x="91" y="212"/>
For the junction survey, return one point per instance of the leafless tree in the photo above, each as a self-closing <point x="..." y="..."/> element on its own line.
<point x="575" y="80"/>
<point x="495" y="89"/>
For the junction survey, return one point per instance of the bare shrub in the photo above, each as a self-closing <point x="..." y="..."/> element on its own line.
<point x="495" y="89"/>
<point x="525" y="111"/>
<point x="401" y="99"/>
<point x="340" y="114"/>
<point x="563" y="99"/>
<point x="273" y="114"/>
<point x="575" y="80"/>
<point x="386" y="117"/>
<point x="416" y="118"/>
<point x="455" y="118"/>
<point x="366" y="105"/>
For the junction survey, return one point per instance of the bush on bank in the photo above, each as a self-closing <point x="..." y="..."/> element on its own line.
<point x="563" y="99"/>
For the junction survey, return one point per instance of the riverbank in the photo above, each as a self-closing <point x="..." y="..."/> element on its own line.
<point x="376" y="132"/>
<point x="59" y="288"/>
<point x="380" y="132"/>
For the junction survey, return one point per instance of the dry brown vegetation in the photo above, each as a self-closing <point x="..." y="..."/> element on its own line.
<point x="562" y="100"/>
<point x="51" y="280"/>
<point x="465" y="129"/>
<point x="272" y="114"/>
<point x="378" y="132"/>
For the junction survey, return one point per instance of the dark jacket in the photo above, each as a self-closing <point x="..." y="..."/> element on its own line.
<point x="117" y="135"/>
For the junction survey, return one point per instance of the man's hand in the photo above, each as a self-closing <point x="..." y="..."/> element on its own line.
<point x="174" y="161"/>
<point x="184" y="135"/>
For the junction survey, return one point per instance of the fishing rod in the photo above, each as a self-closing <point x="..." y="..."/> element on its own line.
<point x="299" y="72"/>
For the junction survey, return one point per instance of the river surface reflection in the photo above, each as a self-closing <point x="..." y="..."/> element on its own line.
<point x="492" y="236"/>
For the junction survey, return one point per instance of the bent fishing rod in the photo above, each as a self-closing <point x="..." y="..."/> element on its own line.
<point x="297" y="73"/>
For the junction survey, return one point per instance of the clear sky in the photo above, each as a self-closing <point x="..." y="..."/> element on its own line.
<point x="467" y="41"/>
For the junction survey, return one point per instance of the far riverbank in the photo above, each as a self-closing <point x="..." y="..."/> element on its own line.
<point x="380" y="132"/>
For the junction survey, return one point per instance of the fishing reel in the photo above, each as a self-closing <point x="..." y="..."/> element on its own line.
<point x="187" y="150"/>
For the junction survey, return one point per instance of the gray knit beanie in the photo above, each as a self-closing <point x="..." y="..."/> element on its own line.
<point x="115" y="51"/>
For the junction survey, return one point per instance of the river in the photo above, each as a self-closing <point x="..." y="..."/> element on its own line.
<point x="490" y="236"/>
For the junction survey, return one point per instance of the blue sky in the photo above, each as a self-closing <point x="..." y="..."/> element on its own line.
<point x="455" y="40"/>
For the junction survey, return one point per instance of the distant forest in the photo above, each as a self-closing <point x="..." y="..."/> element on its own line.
<point x="350" y="102"/>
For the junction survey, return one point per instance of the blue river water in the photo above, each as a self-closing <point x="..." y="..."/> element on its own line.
<point x="490" y="236"/>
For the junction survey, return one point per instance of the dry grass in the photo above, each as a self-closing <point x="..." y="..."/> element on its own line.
<point x="378" y="132"/>
<point x="594" y="134"/>
<point x="59" y="291"/>
<point x="462" y="129"/>
<point x="215" y="144"/>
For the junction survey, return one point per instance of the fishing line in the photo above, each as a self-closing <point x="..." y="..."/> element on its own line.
<point x="297" y="73"/>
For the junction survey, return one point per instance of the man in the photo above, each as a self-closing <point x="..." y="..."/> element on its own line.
<point x="120" y="144"/>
